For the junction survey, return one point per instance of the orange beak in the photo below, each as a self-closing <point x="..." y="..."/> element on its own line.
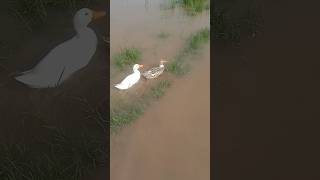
<point x="141" y="66"/>
<point x="98" y="14"/>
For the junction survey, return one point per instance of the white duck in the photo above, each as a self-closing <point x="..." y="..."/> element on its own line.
<point x="66" y="58"/>
<point x="131" y="79"/>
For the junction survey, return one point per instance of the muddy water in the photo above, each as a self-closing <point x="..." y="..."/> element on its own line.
<point x="137" y="23"/>
<point x="171" y="140"/>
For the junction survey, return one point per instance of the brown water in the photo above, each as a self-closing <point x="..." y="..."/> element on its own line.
<point x="137" y="23"/>
<point x="171" y="139"/>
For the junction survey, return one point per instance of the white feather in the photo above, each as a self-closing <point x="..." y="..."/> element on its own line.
<point x="130" y="80"/>
<point x="65" y="59"/>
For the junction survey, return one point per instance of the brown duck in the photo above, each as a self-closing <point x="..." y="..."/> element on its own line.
<point x="155" y="71"/>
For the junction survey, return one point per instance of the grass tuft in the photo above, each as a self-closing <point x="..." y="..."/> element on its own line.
<point x="32" y="12"/>
<point x="125" y="114"/>
<point x="198" y="38"/>
<point x="193" y="7"/>
<point x="163" y="35"/>
<point x="62" y="157"/>
<point x="127" y="56"/>
<point x="121" y="116"/>
<point x="178" y="67"/>
<point x="159" y="90"/>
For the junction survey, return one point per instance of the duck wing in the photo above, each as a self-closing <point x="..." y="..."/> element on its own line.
<point x="67" y="57"/>
<point x="153" y="72"/>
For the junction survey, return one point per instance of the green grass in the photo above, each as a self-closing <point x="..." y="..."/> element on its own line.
<point x="126" y="113"/>
<point x="127" y="56"/>
<point x="62" y="157"/>
<point x="178" y="67"/>
<point x="178" y="64"/>
<point x="59" y="155"/>
<point x="163" y="35"/>
<point x="159" y="90"/>
<point x="193" y="7"/>
<point x="33" y="12"/>
<point x="197" y="39"/>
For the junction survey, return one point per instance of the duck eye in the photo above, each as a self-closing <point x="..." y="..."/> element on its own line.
<point x="86" y="14"/>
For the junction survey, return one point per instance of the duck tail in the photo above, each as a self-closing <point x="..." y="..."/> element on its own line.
<point x="117" y="86"/>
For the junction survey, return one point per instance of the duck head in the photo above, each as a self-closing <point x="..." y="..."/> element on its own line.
<point x="136" y="67"/>
<point x="84" y="16"/>
<point x="162" y="61"/>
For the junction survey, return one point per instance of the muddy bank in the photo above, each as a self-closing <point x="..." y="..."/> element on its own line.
<point x="171" y="140"/>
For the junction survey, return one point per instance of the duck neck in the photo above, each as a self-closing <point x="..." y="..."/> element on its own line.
<point x="81" y="30"/>
<point x="136" y="71"/>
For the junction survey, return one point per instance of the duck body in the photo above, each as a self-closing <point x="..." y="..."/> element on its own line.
<point x="66" y="58"/>
<point x="62" y="61"/>
<point x="153" y="72"/>
<point x="131" y="79"/>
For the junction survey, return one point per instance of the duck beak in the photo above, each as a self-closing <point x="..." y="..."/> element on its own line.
<point x="98" y="14"/>
<point x="141" y="66"/>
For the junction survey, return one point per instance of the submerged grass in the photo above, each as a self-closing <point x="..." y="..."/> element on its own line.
<point x="178" y="65"/>
<point x="159" y="90"/>
<point x="163" y="35"/>
<point x="197" y="39"/>
<point x="127" y="56"/>
<point x="127" y="113"/>
<point x="193" y="7"/>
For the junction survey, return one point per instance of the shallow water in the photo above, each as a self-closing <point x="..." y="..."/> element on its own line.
<point x="171" y="139"/>
<point x="138" y="23"/>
